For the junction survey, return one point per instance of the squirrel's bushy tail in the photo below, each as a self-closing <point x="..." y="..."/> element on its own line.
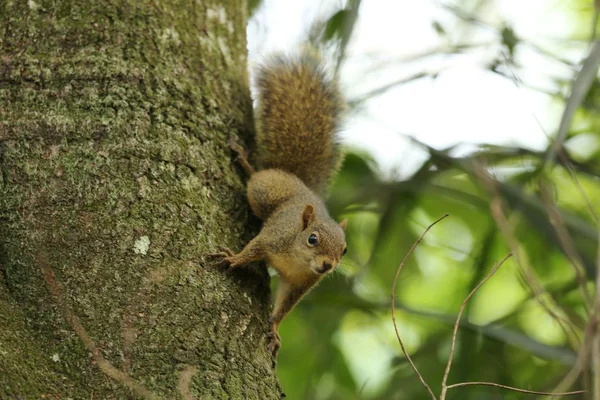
<point x="298" y="118"/>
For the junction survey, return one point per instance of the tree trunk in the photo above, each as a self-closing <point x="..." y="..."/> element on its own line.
<point x="116" y="181"/>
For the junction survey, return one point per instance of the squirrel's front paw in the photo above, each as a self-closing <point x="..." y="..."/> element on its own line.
<point x="273" y="342"/>
<point x="225" y="255"/>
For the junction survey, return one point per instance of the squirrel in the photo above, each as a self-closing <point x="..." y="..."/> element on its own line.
<point x="298" y="153"/>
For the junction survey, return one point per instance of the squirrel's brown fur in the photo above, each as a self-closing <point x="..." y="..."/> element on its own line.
<point x="298" y="119"/>
<point x="299" y="111"/>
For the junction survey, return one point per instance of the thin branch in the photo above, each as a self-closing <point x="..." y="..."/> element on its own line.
<point x="473" y="20"/>
<point x="560" y="150"/>
<point x="581" y="85"/>
<point x="567" y="243"/>
<point x="389" y="86"/>
<point x="394" y="305"/>
<point x="462" y="308"/>
<point x="569" y="167"/>
<point x="436" y="51"/>
<point x="582" y="360"/>
<point x="447" y="372"/>
<point x="564" y="161"/>
<point x="514" y="389"/>
<point x="521" y="257"/>
<point x="529" y="275"/>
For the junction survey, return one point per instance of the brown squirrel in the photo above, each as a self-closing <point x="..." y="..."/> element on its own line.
<point x="298" y="116"/>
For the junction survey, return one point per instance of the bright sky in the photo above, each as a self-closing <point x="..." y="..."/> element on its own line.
<point x="465" y="103"/>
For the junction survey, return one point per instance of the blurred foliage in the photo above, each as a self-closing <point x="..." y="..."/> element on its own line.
<point x="253" y="6"/>
<point x="525" y="327"/>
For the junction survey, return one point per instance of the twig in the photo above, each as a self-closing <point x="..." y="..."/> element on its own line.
<point x="462" y="308"/>
<point x="383" y="89"/>
<point x="580" y="87"/>
<point x="582" y="360"/>
<point x="560" y="151"/>
<point x="520" y="256"/>
<point x="569" y="167"/>
<point x="529" y="274"/>
<point x="448" y="366"/>
<point x="567" y="243"/>
<point x="472" y="19"/>
<point x="394" y="305"/>
<point x="513" y="388"/>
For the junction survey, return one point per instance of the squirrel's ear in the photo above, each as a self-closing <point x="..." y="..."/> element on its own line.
<point x="344" y="223"/>
<point x="308" y="216"/>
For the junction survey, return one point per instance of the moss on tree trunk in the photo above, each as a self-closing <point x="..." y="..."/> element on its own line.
<point x="115" y="182"/>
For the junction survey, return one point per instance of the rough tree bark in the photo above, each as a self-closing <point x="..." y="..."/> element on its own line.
<point x="115" y="183"/>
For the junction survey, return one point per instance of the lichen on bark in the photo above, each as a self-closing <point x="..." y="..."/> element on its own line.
<point x="115" y="183"/>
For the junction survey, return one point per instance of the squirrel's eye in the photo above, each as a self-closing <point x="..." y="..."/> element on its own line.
<point x="345" y="250"/>
<point x="313" y="240"/>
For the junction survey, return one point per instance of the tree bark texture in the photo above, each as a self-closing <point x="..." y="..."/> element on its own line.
<point x="115" y="183"/>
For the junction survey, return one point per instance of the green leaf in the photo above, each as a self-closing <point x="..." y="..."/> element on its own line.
<point x="509" y="39"/>
<point x="439" y="29"/>
<point x="335" y="25"/>
<point x="253" y="6"/>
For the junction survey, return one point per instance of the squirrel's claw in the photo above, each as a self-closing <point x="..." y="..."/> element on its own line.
<point x="225" y="252"/>
<point x="273" y="342"/>
<point x="225" y="256"/>
<point x="273" y="339"/>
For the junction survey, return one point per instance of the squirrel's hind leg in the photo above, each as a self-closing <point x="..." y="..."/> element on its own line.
<point x="288" y="295"/>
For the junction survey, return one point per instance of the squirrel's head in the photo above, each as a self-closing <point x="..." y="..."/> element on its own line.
<point x="323" y="241"/>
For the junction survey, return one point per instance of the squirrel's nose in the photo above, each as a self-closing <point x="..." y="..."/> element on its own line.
<point x="326" y="266"/>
